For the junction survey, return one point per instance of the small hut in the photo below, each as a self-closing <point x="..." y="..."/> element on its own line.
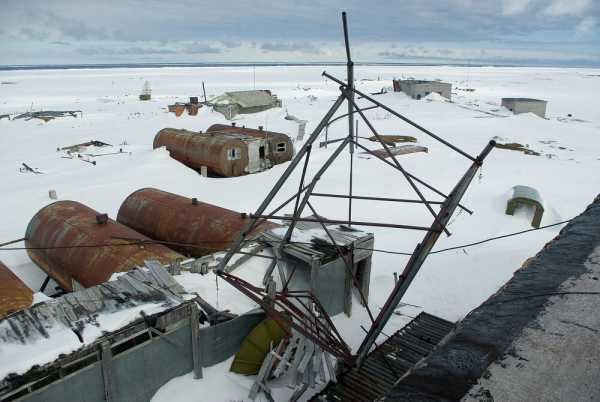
<point x="418" y="89"/>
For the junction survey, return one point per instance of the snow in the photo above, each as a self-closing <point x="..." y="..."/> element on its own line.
<point x="449" y="285"/>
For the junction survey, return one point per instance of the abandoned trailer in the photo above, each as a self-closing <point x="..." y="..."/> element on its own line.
<point x="14" y="294"/>
<point x="418" y="89"/>
<point x="59" y="237"/>
<point x="231" y="104"/>
<point x="280" y="148"/>
<point x="525" y="105"/>
<point x="187" y="225"/>
<point x="216" y="153"/>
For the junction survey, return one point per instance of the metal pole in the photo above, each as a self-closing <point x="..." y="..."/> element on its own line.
<point x="261" y="209"/>
<point x="350" y="96"/>
<point x="421" y="252"/>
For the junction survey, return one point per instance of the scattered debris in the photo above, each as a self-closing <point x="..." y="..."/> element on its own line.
<point x="401" y="150"/>
<point x="393" y="139"/>
<point x="52" y="194"/>
<point x="26" y="168"/>
<point x="48" y="115"/>
<point x="83" y="146"/>
<point x="4" y="116"/>
<point x="515" y="146"/>
<point x="8" y="83"/>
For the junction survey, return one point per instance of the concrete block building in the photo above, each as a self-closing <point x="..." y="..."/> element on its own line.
<point x="418" y="89"/>
<point x="525" y="105"/>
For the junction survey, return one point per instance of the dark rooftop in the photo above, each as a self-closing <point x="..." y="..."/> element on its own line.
<point x="535" y="339"/>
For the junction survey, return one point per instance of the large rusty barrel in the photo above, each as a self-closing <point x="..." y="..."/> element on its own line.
<point x="72" y="242"/>
<point x="199" y="228"/>
<point x="222" y="155"/>
<point x="14" y="294"/>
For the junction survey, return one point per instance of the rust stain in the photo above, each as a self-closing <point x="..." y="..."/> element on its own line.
<point x="14" y="294"/>
<point x="73" y="226"/>
<point x="172" y="218"/>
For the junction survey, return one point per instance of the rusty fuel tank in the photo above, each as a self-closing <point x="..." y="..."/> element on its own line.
<point x="222" y="155"/>
<point x="14" y="294"/>
<point x="171" y="218"/>
<point x="72" y="242"/>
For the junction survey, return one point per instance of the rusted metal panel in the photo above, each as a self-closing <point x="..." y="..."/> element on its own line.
<point x="67" y="242"/>
<point x="14" y="294"/>
<point x="199" y="228"/>
<point x="276" y="152"/>
<point x="196" y="150"/>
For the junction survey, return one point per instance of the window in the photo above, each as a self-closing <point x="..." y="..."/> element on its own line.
<point x="233" y="154"/>
<point x="281" y="147"/>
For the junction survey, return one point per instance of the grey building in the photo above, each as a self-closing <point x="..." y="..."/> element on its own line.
<point x="418" y="89"/>
<point x="525" y="105"/>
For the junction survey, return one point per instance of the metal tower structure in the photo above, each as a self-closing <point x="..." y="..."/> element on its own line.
<point x="308" y="317"/>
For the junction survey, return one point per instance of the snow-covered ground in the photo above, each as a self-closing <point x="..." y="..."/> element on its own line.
<point x="449" y="285"/>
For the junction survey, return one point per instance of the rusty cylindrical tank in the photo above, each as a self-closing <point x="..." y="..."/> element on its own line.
<point x="196" y="150"/>
<point x="14" y="294"/>
<point x="281" y="148"/>
<point x="172" y="218"/>
<point x="60" y="235"/>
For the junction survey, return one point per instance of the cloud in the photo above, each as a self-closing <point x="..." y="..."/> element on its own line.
<point x="201" y="48"/>
<point x="33" y="34"/>
<point x="304" y="47"/>
<point x="513" y="7"/>
<point x="111" y="51"/>
<point x="559" y="8"/>
<point x="585" y="27"/>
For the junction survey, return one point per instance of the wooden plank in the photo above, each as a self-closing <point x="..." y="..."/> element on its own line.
<point x="110" y="390"/>
<point x="196" y="352"/>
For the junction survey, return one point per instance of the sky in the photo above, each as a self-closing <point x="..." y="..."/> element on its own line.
<point x="523" y="32"/>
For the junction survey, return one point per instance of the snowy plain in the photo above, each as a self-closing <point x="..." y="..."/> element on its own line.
<point x="567" y="173"/>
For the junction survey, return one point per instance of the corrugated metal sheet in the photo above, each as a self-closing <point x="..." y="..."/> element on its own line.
<point x="253" y="98"/>
<point x="14" y="294"/>
<point x="385" y="365"/>
<point x="80" y="309"/>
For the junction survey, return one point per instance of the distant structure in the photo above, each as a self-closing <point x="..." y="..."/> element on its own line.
<point x="279" y="146"/>
<point x="418" y="89"/>
<point x="525" y="105"/>
<point x="224" y="153"/>
<point x="231" y="104"/>
<point x="146" y="92"/>
<point x="192" y="107"/>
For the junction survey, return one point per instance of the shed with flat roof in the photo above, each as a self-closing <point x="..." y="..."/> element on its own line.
<point x="525" y="105"/>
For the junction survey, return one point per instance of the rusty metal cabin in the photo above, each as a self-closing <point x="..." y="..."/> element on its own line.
<point x="280" y="148"/>
<point x="187" y="225"/>
<point x="14" y="294"/>
<point x="225" y="155"/>
<point x="69" y="242"/>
